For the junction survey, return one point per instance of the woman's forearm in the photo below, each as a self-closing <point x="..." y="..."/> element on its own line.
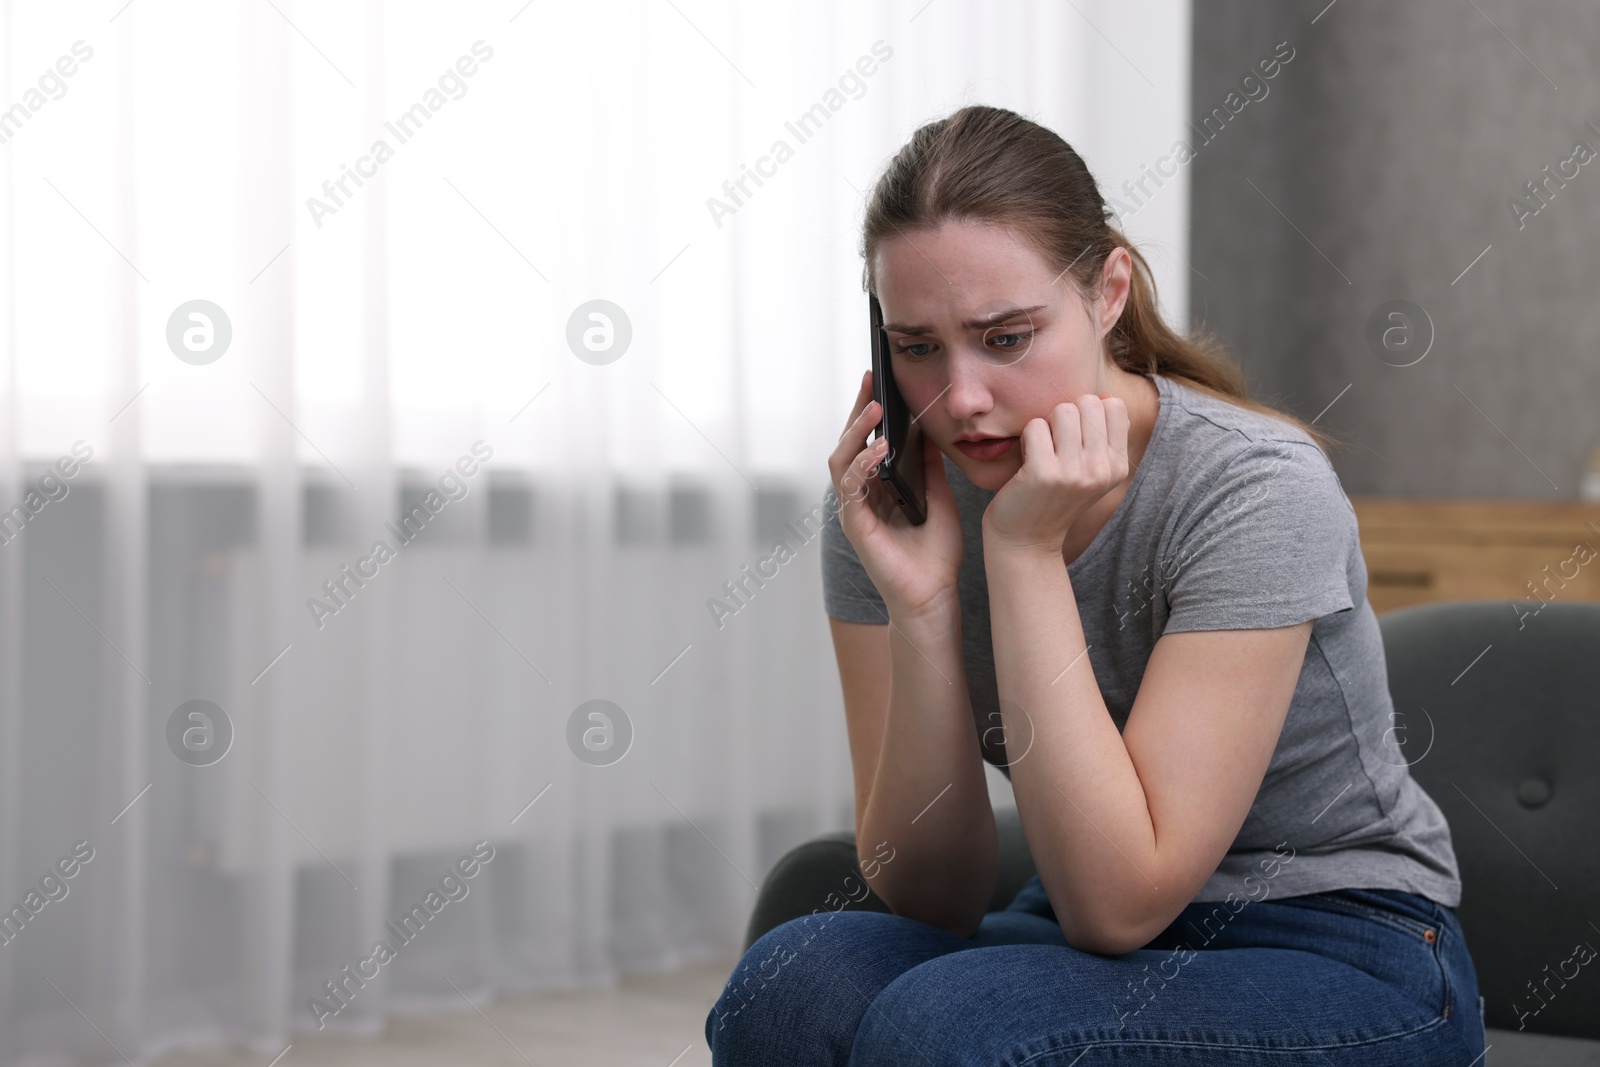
<point x="930" y="799"/>
<point x="1077" y="789"/>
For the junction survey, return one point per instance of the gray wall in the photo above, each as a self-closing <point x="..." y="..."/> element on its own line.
<point x="1393" y="140"/>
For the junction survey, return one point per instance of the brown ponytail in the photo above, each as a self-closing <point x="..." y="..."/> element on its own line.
<point x="992" y="165"/>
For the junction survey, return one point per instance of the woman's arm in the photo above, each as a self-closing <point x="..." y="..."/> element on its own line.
<point x="926" y="837"/>
<point x="927" y="796"/>
<point x="1125" y="828"/>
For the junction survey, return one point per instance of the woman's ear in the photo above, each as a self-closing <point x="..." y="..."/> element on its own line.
<point x="1116" y="283"/>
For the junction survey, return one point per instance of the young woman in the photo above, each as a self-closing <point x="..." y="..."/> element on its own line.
<point x="1142" y="596"/>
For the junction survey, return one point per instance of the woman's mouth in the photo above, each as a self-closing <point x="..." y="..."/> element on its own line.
<point x="990" y="448"/>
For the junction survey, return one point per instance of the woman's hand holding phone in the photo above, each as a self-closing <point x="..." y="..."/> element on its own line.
<point x="914" y="566"/>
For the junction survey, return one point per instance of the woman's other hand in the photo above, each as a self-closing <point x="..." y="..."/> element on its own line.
<point x="1069" y="462"/>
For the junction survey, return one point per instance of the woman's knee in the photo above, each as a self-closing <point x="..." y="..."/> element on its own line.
<point x="764" y="963"/>
<point x="807" y="982"/>
<point x="979" y="1008"/>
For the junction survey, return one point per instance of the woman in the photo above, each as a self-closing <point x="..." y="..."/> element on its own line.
<point x="1144" y="600"/>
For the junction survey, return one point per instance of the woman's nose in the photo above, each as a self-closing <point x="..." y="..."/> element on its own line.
<point x="967" y="393"/>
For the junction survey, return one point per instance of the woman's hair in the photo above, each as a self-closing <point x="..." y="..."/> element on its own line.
<point x="987" y="164"/>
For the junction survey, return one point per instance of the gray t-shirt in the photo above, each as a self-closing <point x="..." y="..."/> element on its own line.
<point x="1233" y="520"/>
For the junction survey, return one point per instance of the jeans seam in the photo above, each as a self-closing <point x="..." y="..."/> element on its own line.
<point x="1432" y="1024"/>
<point x="1444" y="972"/>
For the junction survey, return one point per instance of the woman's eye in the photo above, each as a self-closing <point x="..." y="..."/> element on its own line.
<point x="906" y="350"/>
<point x="1020" y="339"/>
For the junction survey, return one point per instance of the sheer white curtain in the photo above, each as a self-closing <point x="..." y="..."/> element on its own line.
<point x="405" y="337"/>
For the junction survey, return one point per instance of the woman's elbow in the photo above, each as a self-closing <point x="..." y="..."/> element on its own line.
<point x="963" y="924"/>
<point x="1103" y="937"/>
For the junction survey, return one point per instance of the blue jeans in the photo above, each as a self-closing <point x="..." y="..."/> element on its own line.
<point x="1354" y="976"/>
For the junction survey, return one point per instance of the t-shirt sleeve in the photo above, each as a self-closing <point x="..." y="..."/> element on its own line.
<point x="1268" y="544"/>
<point x="847" y="593"/>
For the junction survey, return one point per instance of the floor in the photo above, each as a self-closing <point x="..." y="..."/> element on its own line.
<point x="655" y="1021"/>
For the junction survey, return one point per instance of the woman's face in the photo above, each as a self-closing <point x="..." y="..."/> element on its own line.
<point x="984" y="336"/>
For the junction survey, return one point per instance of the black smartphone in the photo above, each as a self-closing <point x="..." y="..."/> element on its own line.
<point x="902" y="467"/>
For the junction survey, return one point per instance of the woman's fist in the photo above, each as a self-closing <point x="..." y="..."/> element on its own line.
<point x="1069" y="461"/>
